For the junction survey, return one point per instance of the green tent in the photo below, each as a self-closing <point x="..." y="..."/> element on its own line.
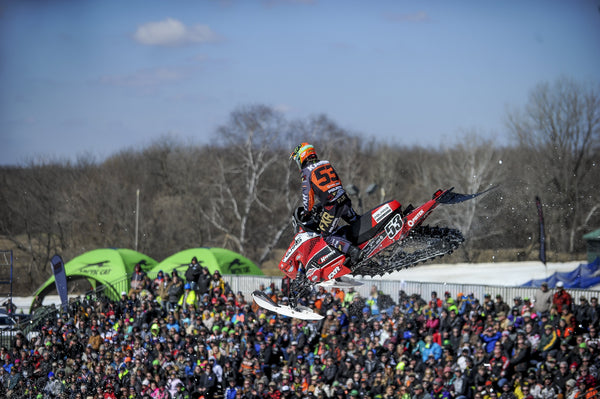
<point x="224" y="260"/>
<point x="111" y="267"/>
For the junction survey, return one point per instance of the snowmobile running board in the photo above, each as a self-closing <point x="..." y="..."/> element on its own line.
<point x="341" y="282"/>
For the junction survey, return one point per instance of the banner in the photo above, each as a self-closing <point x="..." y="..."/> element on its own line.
<point x="538" y="204"/>
<point x="60" y="278"/>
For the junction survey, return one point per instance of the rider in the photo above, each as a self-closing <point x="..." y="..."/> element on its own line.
<point x="320" y="179"/>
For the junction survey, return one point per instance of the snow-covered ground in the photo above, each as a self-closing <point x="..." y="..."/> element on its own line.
<point x="502" y="273"/>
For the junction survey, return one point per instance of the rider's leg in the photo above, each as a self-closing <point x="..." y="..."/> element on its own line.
<point x="344" y="246"/>
<point x="328" y="226"/>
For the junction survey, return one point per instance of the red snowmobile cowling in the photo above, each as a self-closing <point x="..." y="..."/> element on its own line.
<point x="321" y="261"/>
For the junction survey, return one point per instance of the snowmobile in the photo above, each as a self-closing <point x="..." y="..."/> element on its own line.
<point x="390" y="239"/>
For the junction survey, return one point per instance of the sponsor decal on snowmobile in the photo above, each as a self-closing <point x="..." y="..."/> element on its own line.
<point x="394" y="226"/>
<point x="374" y="243"/>
<point x="411" y="222"/>
<point x="298" y="240"/>
<point x="326" y="257"/>
<point x="381" y="213"/>
<point x="334" y="272"/>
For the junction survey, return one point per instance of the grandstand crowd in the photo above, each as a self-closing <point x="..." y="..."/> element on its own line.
<point x="190" y="336"/>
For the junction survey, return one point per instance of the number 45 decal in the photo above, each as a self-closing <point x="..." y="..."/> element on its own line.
<point x="394" y="226"/>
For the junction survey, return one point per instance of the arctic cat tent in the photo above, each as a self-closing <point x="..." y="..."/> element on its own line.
<point x="584" y="276"/>
<point x="107" y="267"/>
<point x="223" y="260"/>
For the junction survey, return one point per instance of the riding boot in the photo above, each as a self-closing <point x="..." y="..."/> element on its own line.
<point x="355" y="254"/>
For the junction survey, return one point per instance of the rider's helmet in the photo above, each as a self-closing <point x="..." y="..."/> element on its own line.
<point x="302" y="153"/>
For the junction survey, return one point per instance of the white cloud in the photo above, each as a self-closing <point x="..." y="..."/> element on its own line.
<point x="172" y="32"/>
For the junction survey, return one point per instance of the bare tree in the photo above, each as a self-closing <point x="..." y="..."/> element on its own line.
<point x="243" y="206"/>
<point x="560" y="126"/>
<point x="472" y="165"/>
<point x="33" y="203"/>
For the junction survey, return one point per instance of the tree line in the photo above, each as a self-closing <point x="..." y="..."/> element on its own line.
<point x="239" y="192"/>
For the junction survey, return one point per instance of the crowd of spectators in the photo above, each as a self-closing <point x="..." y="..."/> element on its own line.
<point x="192" y="337"/>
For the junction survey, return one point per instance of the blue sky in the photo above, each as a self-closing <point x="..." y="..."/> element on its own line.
<point x="87" y="77"/>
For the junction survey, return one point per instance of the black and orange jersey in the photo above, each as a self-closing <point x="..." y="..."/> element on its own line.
<point x="321" y="180"/>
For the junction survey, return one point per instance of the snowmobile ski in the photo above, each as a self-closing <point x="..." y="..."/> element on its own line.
<point x="299" y="312"/>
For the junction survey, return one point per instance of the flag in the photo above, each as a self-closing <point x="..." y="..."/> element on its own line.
<point x="60" y="278"/>
<point x="538" y="204"/>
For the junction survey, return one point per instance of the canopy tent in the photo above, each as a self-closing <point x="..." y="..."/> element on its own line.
<point x="223" y="260"/>
<point x="584" y="276"/>
<point x="107" y="266"/>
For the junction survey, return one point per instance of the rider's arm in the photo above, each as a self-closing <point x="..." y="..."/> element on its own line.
<point x="308" y="195"/>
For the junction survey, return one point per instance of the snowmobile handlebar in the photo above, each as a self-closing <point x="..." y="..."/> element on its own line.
<point x="309" y="221"/>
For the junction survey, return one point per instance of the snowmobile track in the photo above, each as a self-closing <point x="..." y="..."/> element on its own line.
<point x="422" y="244"/>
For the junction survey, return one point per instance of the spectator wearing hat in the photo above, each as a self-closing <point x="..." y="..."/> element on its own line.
<point x="439" y="390"/>
<point x="506" y="390"/>
<point x="564" y="330"/>
<point x="232" y="390"/>
<point x="349" y="297"/>
<point x="172" y="324"/>
<point x="419" y="392"/>
<point x="528" y="307"/>
<point x="561" y="298"/>
<point x="435" y="303"/>
<point x="330" y="370"/>
<point x="549" y="341"/>
<point x="203" y="281"/>
<point x="208" y="383"/>
<point x="54" y="387"/>
<point x="466" y="303"/>
<point x="217" y="281"/>
<point x="138" y="279"/>
<point x="572" y="390"/>
<point x="188" y="298"/>
<point x="549" y="388"/>
<point x="500" y="305"/>
<point x="591" y="337"/>
<point x="372" y="301"/>
<point x="160" y="277"/>
<point x="489" y="338"/>
<point x="272" y="391"/>
<point x="161" y="289"/>
<point x="345" y="370"/>
<point x="330" y="322"/>
<point x="542" y="300"/>
<point x="192" y="273"/>
<point x="521" y="355"/>
<point x="174" y="291"/>
<point x="584" y="313"/>
<point x="297" y="336"/>
<point x="459" y="383"/>
<point x="95" y="340"/>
